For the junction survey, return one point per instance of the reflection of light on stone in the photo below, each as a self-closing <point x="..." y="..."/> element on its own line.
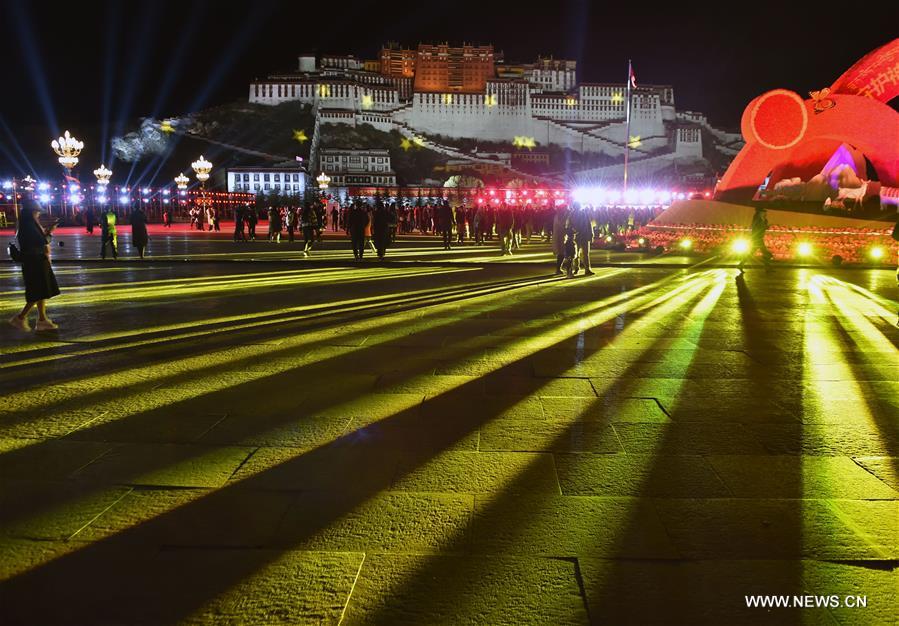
<point x="617" y="98"/>
<point x="490" y="100"/>
<point x="367" y="102"/>
<point x="635" y="141"/>
<point x="300" y="135"/>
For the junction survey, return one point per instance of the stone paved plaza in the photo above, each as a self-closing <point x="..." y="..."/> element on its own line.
<point x="448" y="443"/>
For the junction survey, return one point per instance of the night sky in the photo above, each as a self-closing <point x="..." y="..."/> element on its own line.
<point x="95" y="67"/>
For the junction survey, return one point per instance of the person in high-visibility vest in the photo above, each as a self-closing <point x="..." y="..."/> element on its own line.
<point x="109" y="234"/>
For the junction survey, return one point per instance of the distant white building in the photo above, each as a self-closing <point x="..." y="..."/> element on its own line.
<point x="540" y="103"/>
<point x="357" y="168"/>
<point x="289" y="181"/>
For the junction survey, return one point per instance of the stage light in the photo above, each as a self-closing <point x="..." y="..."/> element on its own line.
<point x="43" y="186"/>
<point x="74" y="199"/>
<point x="144" y="191"/>
<point x="646" y="196"/>
<point x="7" y="184"/>
<point x="641" y="241"/>
<point x="580" y="195"/>
<point x="45" y="198"/>
<point x="630" y="196"/>
<point x="686" y="244"/>
<point x="876" y="253"/>
<point x="804" y="249"/>
<point x="740" y="246"/>
<point x="123" y="199"/>
<point x="103" y="199"/>
<point x="609" y="238"/>
<point x="165" y="192"/>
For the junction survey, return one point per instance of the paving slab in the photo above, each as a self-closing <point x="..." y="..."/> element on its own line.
<point x="687" y="438"/>
<point x="479" y="472"/>
<point x="170" y="465"/>
<point x="518" y="435"/>
<point x="665" y="476"/>
<point x="799" y="477"/>
<point x="386" y="522"/>
<point x="412" y="589"/>
<point x="569" y="526"/>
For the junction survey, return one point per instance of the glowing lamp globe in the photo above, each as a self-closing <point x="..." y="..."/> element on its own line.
<point x="201" y="168"/>
<point x="323" y="180"/>
<point x="740" y="246"/>
<point x="181" y="180"/>
<point x="67" y="148"/>
<point x="103" y="175"/>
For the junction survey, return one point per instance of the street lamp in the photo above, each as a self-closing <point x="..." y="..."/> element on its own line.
<point x="28" y="183"/>
<point x="181" y="180"/>
<point x="103" y="174"/>
<point x="202" y="167"/>
<point x="67" y="148"/>
<point x="323" y="180"/>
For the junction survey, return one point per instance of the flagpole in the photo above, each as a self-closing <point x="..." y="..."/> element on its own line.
<point x="627" y="133"/>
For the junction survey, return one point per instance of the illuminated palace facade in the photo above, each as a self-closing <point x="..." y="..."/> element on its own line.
<point x="471" y="92"/>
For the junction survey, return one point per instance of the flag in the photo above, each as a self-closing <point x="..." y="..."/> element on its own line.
<point x="71" y="179"/>
<point x="632" y="78"/>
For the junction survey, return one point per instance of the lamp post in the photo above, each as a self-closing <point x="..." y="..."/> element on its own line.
<point x="323" y="181"/>
<point x="67" y="148"/>
<point x="201" y="168"/>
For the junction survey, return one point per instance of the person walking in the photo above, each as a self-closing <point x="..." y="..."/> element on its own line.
<point x="239" y="216"/>
<point x="445" y="223"/>
<point x="307" y="223"/>
<point x="505" y="223"/>
<point x="758" y="229"/>
<point x="89" y="221"/>
<point x="139" y="237"/>
<point x="584" y="233"/>
<point x="252" y="218"/>
<point x="335" y="215"/>
<point x="291" y="223"/>
<point x="381" y="230"/>
<point x="167" y="218"/>
<point x="367" y="233"/>
<point x="560" y="223"/>
<point x="357" y="222"/>
<point x="34" y="254"/>
<point x="274" y="224"/>
<point x="108" y="234"/>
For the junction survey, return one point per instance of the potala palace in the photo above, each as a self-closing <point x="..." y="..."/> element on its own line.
<point x="469" y="92"/>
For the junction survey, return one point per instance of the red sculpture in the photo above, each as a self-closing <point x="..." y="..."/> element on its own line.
<point x="789" y="138"/>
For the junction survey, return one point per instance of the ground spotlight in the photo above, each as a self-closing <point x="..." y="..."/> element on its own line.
<point x="740" y="246"/>
<point x="804" y="249"/>
<point x="45" y="198"/>
<point x="641" y="241"/>
<point x="686" y="244"/>
<point x="876" y="253"/>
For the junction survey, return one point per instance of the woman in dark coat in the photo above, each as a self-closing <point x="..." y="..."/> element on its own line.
<point x="139" y="235"/>
<point x="40" y="283"/>
<point x="381" y="229"/>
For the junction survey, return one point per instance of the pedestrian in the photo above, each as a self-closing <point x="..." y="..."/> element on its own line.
<point x="139" y="237"/>
<point x="108" y="234"/>
<point x="560" y="223"/>
<point x="758" y="229"/>
<point x="583" y="232"/>
<point x="239" y="216"/>
<point x="37" y="274"/>
<point x="505" y="223"/>
<point x="252" y="218"/>
<point x="210" y="218"/>
<point x="367" y="232"/>
<point x="445" y="221"/>
<point x="291" y="223"/>
<point x="335" y="215"/>
<point x="381" y="229"/>
<point x="89" y="221"/>
<point x="216" y="217"/>
<point x="570" y="261"/>
<point x="274" y="224"/>
<point x="167" y="218"/>
<point x="307" y="223"/>
<point x="357" y="222"/>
